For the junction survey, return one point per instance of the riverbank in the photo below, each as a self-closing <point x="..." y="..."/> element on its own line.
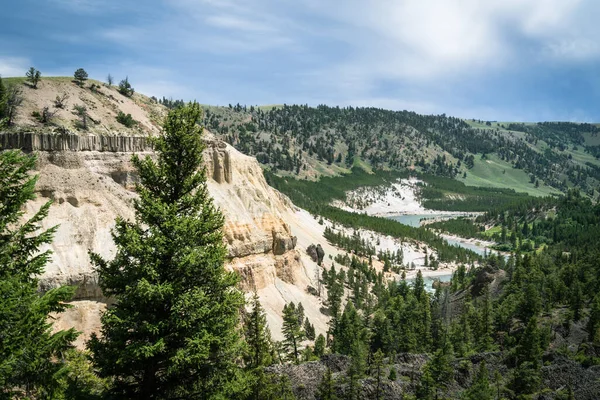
<point x="474" y="241"/>
<point x="480" y="246"/>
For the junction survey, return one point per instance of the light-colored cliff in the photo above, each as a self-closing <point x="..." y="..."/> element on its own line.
<point x="90" y="188"/>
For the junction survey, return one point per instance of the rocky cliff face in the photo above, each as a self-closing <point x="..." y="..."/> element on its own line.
<point x="91" y="181"/>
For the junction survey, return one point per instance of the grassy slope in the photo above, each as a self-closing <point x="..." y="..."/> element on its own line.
<point x="496" y="173"/>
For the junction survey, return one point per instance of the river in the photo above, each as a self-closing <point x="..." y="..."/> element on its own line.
<point x="415" y="220"/>
<point x="428" y="280"/>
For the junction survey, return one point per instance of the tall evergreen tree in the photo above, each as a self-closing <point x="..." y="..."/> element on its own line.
<point x="528" y="352"/>
<point x="173" y="331"/>
<point x="28" y="348"/>
<point x="593" y="325"/>
<point x="292" y="331"/>
<point x="326" y="389"/>
<point x="309" y="329"/>
<point x="480" y="389"/>
<point x="319" y="345"/>
<point x="258" y="336"/>
<point x="378" y="372"/>
<point x="80" y="76"/>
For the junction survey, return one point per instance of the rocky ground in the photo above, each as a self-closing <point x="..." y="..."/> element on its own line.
<point x="556" y="377"/>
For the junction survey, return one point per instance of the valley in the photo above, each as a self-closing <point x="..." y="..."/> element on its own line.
<point x="426" y="241"/>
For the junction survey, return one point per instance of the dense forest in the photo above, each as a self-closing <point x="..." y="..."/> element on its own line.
<point x="328" y="140"/>
<point x="502" y="329"/>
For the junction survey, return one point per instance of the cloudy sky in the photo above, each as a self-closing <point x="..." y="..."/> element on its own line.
<point x="503" y="60"/>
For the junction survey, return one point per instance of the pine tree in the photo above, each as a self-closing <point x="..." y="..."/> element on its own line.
<point x="480" y="389"/>
<point x="173" y="331"/>
<point x="326" y="389"/>
<point x="427" y="386"/>
<point x="125" y="88"/>
<point x="349" y="332"/>
<point x="593" y="325"/>
<point x="33" y="76"/>
<point x="258" y="336"/>
<point x="260" y="355"/>
<point x="80" y="76"/>
<point x="576" y="300"/>
<point x="526" y="377"/>
<point x="440" y="367"/>
<point x="292" y="331"/>
<point x="28" y="348"/>
<point x="319" y="346"/>
<point x="13" y="99"/>
<point x="378" y="371"/>
<point x="309" y="329"/>
<point x="484" y="334"/>
<point x="419" y="286"/>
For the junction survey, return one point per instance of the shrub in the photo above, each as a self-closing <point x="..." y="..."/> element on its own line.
<point x="61" y="100"/>
<point x="126" y="119"/>
<point x="81" y="112"/>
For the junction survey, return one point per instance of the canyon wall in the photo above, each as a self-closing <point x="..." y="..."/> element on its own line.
<point x="91" y="181"/>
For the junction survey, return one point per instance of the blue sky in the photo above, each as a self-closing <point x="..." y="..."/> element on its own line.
<point x="509" y="60"/>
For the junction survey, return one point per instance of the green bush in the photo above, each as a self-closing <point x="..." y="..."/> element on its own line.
<point x="126" y="119"/>
<point x="125" y="88"/>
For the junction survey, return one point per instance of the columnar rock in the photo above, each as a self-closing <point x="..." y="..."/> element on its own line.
<point x="71" y="142"/>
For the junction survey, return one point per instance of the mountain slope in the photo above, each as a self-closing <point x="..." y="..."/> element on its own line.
<point x="103" y="104"/>
<point x="309" y="142"/>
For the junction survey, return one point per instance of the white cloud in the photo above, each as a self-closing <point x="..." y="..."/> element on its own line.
<point x="355" y="50"/>
<point x="427" y="44"/>
<point x="233" y="22"/>
<point x="13" y="66"/>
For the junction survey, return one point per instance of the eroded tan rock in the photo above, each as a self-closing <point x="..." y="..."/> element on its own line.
<point x="89" y="189"/>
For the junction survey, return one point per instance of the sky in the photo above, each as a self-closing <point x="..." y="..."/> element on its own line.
<point x="505" y="60"/>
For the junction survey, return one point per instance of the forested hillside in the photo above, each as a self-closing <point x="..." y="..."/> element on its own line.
<point x="525" y="327"/>
<point x="314" y="141"/>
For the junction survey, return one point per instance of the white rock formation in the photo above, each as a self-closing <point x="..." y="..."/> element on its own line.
<point x="91" y="188"/>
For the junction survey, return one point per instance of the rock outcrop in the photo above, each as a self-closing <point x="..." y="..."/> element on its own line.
<point x="70" y="142"/>
<point x="91" y="181"/>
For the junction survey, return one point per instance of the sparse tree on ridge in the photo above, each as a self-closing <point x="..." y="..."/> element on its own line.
<point x="80" y="76"/>
<point x="33" y="76"/>
<point x="109" y="80"/>
<point x="125" y="88"/>
<point x="61" y="100"/>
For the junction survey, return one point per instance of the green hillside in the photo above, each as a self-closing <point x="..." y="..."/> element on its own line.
<point x="496" y="173"/>
<point x="309" y="142"/>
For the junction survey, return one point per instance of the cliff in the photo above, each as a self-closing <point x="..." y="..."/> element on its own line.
<point x="91" y="181"/>
<point x="28" y="141"/>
